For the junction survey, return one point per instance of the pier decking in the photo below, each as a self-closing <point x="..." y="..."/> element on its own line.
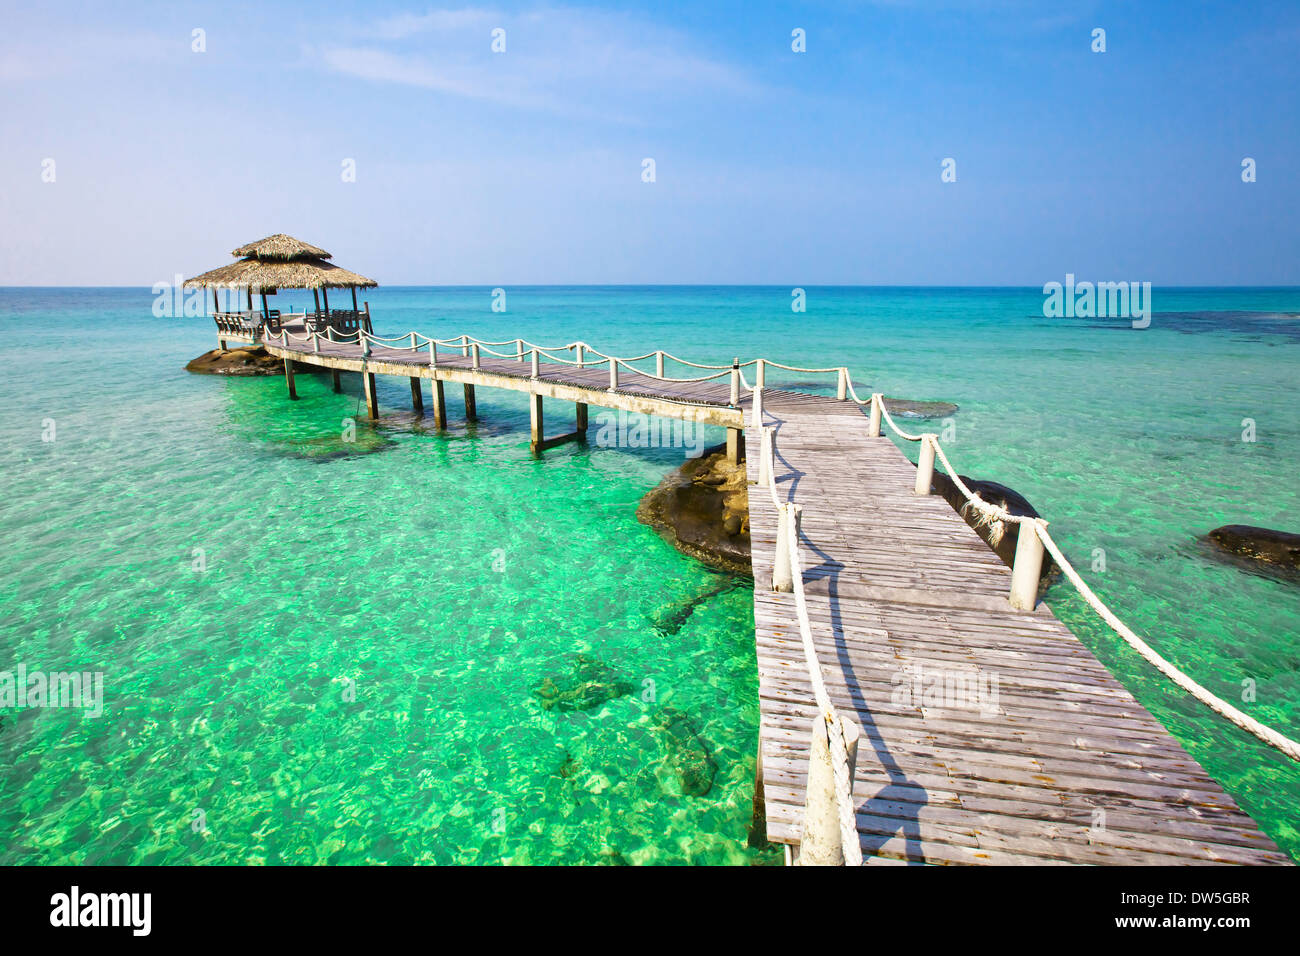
<point x="1058" y="763"/>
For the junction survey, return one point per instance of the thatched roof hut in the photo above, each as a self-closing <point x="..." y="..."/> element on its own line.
<point x="280" y="262"/>
<point x="283" y="262"/>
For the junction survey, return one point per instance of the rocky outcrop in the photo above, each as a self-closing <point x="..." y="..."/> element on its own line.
<point x="248" y="360"/>
<point x="702" y="509"/>
<point x="1264" y="545"/>
<point x="998" y="535"/>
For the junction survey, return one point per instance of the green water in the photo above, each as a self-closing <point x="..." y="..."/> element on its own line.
<point x="351" y="676"/>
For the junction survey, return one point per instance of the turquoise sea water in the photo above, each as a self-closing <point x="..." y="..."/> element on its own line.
<point x="351" y="675"/>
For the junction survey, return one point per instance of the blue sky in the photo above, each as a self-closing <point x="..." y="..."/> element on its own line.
<point x="823" y="167"/>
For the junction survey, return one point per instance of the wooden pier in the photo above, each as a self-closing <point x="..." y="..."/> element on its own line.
<point x="1025" y="751"/>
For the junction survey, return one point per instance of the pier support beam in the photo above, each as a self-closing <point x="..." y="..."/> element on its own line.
<point x="417" y="396"/>
<point x="539" y="441"/>
<point x="372" y="399"/>
<point x="535" y="421"/>
<point x="735" y="446"/>
<point x="288" y="378"/>
<point x="821" y="844"/>
<point x="337" y="382"/>
<point x="439" y="404"/>
<point x="471" y="404"/>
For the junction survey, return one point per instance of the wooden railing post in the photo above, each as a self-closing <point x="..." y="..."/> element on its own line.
<point x="1027" y="567"/>
<point x="842" y="386"/>
<point x="787" y="529"/>
<point x="822" y="843"/>
<point x="475" y="361"/>
<point x="735" y="381"/>
<point x="433" y="354"/>
<point x="537" y="364"/>
<point x="925" y="466"/>
<point x="874" y="428"/>
<point x="613" y="374"/>
<point x="412" y="341"/>
<point x="659" y="364"/>
<point x="760" y="376"/>
<point x="519" y="349"/>
<point x="764" y="456"/>
<point x="582" y="362"/>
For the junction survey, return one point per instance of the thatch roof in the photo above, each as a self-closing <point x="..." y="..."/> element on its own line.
<point x="281" y="246"/>
<point x="280" y="262"/>
<point x="260" y="276"/>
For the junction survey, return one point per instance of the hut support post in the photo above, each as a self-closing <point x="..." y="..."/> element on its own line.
<point x="417" y="396"/>
<point x="338" y="384"/>
<point x="471" y="404"/>
<point x="372" y="399"/>
<point x="288" y="378"/>
<point x="439" y="404"/>
<point x="822" y="844"/>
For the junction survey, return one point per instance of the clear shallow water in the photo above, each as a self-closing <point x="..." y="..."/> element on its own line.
<point x="330" y="566"/>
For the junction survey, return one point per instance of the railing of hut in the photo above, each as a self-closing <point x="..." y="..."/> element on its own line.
<point x="1026" y="566"/>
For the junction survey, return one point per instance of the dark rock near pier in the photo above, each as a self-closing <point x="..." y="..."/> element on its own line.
<point x="1280" y="548"/>
<point x="590" y="684"/>
<point x="998" y="535"/>
<point x="249" y="360"/>
<point x="702" y="509"/>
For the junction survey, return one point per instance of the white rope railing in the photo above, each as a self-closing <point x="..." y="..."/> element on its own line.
<point x="787" y="574"/>
<point x="1026" y="570"/>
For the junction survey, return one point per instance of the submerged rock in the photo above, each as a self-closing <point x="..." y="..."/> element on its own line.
<point x="1280" y="548"/>
<point x="687" y="756"/>
<point x="702" y="509"/>
<point x="329" y="447"/>
<point x="248" y="360"/>
<point x="590" y="684"/>
<point x="905" y="408"/>
<point x="670" y="619"/>
<point x="998" y="535"/>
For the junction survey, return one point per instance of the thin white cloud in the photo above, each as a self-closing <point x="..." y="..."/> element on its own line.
<point x="561" y="60"/>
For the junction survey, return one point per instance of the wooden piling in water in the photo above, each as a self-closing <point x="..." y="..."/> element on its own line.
<point x="439" y="404"/>
<point x="288" y="378"/>
<point x="535" y="422"/>
<point x="417" y="396"/>
<point x="471" y="404"/>
<point x="337" y="382"/>
<point x="372" y="399"/>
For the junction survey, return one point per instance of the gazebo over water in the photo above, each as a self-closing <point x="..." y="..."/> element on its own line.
<point x="283" y="262"/>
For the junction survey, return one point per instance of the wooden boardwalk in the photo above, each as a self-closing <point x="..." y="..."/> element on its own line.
<point x="1058" y="765"/>
<point x="1051" y="760"/>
